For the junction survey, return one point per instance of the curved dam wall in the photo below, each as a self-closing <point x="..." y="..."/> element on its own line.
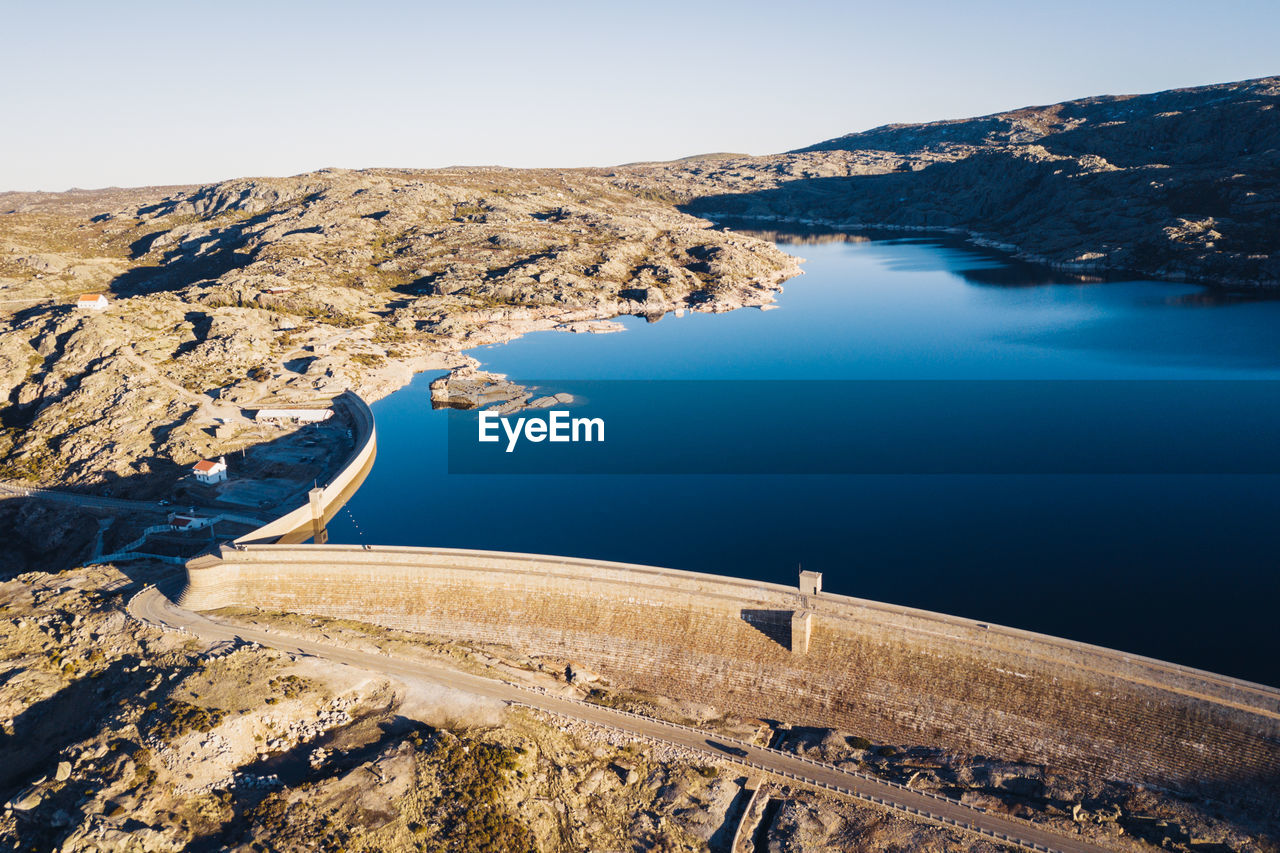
<point x="299" y="524"/>
<point x="892" y="674"/>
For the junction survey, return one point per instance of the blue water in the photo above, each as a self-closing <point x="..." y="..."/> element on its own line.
<point x="1174" y="566"/>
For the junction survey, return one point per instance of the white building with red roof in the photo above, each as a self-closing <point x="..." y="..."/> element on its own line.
<point x="211" y="472"/>
<point x="92" y="302"/>
<point x="188" y="521"/>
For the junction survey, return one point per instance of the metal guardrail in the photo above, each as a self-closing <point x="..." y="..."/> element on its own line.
<point x="742" y="743"/>
<point x="848" y="792"/>
<point x="131" y="552"/>
<point x="122" y="556"/>
<point x="133" y="546"/>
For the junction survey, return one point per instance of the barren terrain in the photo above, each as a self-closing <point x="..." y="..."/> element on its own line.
<point x="288" y="291"/>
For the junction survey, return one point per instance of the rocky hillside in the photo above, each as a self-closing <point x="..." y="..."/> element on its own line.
<point x="1183" y="184"/>
<point x="298" y="288"/>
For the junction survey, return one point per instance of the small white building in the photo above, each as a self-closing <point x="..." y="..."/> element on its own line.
<point x="211" y="472"/>
<point x="189" y="521"/>
<point x="92" y="302"/>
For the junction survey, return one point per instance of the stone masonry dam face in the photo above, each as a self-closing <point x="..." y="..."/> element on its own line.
<point x="891" y="674"/>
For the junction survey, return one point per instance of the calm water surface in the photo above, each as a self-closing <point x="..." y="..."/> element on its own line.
<point x="1177" y="567"/>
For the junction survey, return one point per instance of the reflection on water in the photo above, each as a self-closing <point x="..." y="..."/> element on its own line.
<point x="1178" y="567"/>
<point x="946" y="252"/>
<point x="1207" y="298"/>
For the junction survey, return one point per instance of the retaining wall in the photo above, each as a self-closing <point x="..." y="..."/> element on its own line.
<point x="297" y="525"/>
<point x="892" y="674"/>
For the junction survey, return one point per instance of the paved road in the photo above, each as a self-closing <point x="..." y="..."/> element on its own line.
<point x="13" y="490"/>
<point x="152" y="607"/>
<point x="92" y="501"/>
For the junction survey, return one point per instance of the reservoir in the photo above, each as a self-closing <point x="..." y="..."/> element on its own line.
<point x="1175" y="565"/>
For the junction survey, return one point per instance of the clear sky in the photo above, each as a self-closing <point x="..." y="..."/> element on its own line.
<point x="130" y="93"/>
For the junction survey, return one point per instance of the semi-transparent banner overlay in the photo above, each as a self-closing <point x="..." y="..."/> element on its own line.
<point x="872" y="427"/>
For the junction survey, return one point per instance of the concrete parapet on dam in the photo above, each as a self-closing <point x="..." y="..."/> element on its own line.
<point x="892" y="674"/>
<point x="310" y="519"/>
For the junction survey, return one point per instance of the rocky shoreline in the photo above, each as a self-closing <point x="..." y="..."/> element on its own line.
<point x="294" y="290"/>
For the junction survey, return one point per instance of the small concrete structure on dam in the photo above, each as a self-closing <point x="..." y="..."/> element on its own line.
<point x="892" y="674"/>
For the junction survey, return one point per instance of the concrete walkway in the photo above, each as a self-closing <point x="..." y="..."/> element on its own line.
<point x="153" y="608"/>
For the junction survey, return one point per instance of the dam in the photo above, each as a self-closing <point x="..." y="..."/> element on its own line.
<point x="1118" y="560"/>
<point x="894" y="675"/>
